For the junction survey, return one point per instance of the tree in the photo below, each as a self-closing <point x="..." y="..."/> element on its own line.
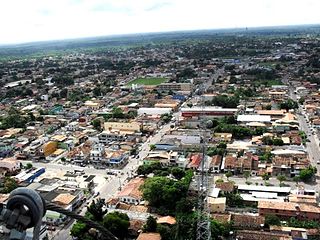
<point x="177" y="172"/>
<point x="96" y="124"/>
<point x="306" y="175"/>
<point x="117" y="223"/>
<point x="289" y="104"/>
<point x="152" y="147"/>
<point x="301" y="100"/>
<point x="96" y="209"/>
<point x="296" y="179"/>
<point x="117" y="113"/>
<point x="246" y="175"/>
<point x="28" y="166"/>
<point x="271" y="220"/>
<point x="190" y="105"/>
<point x="277" y="142"/>
<point x="9" y="185"/>
<point x="166" y="117"/>
<point x="281" y="178"/>
<point x="265" y="177"/>
<point x="228" y="174"/>
<point x="234" y="200"/>
<point x="151" y="225"/>
<point x="79" y="230"/>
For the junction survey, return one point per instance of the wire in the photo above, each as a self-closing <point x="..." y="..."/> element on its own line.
<point x="105" y="233"/>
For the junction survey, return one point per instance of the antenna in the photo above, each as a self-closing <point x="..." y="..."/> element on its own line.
<point x="203" y="218"/>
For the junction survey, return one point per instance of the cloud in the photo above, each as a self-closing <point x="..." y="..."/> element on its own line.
<point x="158" y="6"/>
<point x="59" y="19"/>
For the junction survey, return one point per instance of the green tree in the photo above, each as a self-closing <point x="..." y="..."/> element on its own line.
<point x="177" y="172"/>
<point x="166" y="117"/>
<point x="96" y="209"/>
<point x="281" y="178"/>
<point x="117" y="223"/>
<point x="117" y="113"/>
<point x="79" y="230"/>
<point x="289" y="104"/>
<point x="96" y="123"/>
<point x="228" y="174"/>
<point x="277" y="142"/>
<point x="271" y="220"/>
<point x="301" y="100"/>
<point x="28" y="166"/>
<point x="190" y="105"/>
<point x="246" y="175"/>
<point x="306" y="175"/>
<point x="152" y="147"/>
<point x="151" y="224"/>
<point x="9" y="185"/>
<point x="234" y="200"/>
<point x="296" y="179"/>
<point x="265" y="177"/>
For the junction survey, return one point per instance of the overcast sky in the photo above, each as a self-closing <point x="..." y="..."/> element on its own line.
<point x="34" y="20"/>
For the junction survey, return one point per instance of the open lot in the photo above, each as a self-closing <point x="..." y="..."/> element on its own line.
<point x="148" y="81"/>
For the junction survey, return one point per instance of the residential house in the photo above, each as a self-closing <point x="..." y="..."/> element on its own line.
<point x="131" y="192"/>
<point x="285" y="210"/>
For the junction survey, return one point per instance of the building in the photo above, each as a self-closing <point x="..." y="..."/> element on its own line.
<point x="217" y="205"/>
<point x="10" y="164"/>
<point x="208" y="112"/>
<point x="131" y="193"/>
<point x="254" y="118"/>
<point x="122" y="126"/>
<point x="184" y="87"/>
<point x="149" y="236"/>
<point x="49" y="148"/>
<point x="285" y="210"/>
<point x="154" y="111"/>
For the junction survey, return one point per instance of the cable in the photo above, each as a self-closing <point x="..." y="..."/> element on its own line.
<point x="105" y="233"/>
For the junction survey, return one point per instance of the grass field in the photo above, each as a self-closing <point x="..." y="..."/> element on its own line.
<point x="148" y="81"/>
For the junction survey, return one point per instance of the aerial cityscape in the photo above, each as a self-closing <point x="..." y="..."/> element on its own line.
<point x="202" y="134"/>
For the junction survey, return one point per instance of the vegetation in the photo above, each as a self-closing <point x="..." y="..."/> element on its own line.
<point x="307" y="175"/>
<point x="148" y="81"/>
<point x="166" y="117"/>
<point x="225" y="101"/>
<point x="271" y="220"/>
<point x="289" y="104"/>
<point x="9" y="184"/>
<point x="118" y="224"/>
<point x="163" y="193"/>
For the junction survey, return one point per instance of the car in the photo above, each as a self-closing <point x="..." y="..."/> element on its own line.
<point x="111" y="173"/>
<point x="318" y="162"/>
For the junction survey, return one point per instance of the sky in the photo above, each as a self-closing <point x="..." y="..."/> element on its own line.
<point x="38" y="20"/>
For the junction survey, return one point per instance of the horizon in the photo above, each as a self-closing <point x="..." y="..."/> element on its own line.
<point x="39" y="21"/>
<point x="4" y="45"/>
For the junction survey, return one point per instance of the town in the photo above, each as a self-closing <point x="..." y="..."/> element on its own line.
<point x="135" y="138"/>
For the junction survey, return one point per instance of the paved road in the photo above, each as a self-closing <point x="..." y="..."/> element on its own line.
<point x="113" y="183"/>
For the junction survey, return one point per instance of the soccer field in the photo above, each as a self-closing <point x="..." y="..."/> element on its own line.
<point x="148" y="81"/>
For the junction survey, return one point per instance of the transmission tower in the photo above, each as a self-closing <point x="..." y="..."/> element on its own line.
<point x="203" y="218"/>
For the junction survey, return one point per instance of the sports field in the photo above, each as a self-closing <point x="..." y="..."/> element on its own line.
<point x="148" y="81"/>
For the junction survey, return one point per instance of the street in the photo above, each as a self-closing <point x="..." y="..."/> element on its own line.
<point x="113" y="183"/>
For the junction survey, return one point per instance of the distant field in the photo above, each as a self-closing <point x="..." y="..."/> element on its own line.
<point x="148" y="81"/>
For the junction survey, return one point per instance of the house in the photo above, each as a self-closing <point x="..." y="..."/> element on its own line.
<point x="10" y="164"/>
<point x="217" y="205"/>
<point x="229" y="163"/>
<point x="259" y="235"/>
<point x="285" y="210"/>
<point x="225" y="187"/>
<point x="166" y="158"/>
<point x="244" y="221"/>
<point x="166" y="220"/>
<point x="215" y="165"/>
<point x="195" y="161"/>
<point x="123" y="126"/>
<point x="149" y="236"/>
<point x="131" y="193"/>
